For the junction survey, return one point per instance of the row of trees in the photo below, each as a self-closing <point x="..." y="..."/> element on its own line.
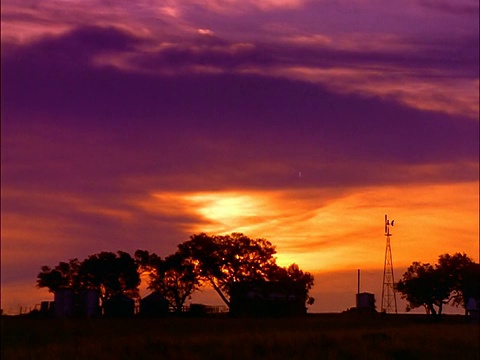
<point x="222" y="261"/>
<point x="219" y="261"/>
<point x="453" y="280"/>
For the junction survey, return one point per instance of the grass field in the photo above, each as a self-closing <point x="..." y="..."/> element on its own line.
<point x="325" y="336"/>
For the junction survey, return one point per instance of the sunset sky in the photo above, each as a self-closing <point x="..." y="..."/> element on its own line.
<point x="134" y="124"/>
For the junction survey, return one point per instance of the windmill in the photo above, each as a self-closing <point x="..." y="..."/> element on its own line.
<point x="389" y="300"/>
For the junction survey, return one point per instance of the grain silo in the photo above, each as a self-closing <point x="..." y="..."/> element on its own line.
<point x="89" y="302"/>
<point x="64" y="303"/>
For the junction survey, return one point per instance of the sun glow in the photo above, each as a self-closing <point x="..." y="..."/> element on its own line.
<point x="325" y="231"/>
<point x="225" y="211"/>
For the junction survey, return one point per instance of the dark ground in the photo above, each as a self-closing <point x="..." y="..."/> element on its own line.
<point x="321" y="336"/>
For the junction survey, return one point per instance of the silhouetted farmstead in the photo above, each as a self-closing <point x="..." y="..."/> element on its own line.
<point x="267" y="298"/>
<point x="154" y="305"/>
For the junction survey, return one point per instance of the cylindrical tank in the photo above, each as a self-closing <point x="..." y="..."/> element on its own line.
<point x="365" y="300"/>
<point x="89" y="302"/>
<point x="64" y="303"/>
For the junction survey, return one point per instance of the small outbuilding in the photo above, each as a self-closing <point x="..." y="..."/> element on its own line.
<point x="154" y="305"/>
<point x="119" y="306"/>
<point x="365" y="302"/>
<point x="267" y="298"/>
<point x="472" y="309"/>
<point x="46" y="309"/>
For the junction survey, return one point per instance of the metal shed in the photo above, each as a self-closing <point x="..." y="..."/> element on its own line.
<point x="119" y="306"/>
<point x="154" y="305"/>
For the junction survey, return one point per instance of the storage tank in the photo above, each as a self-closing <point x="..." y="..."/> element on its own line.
<point x="89" y="303"/>
<point x="366" y="301"/>
<point x="64" y="303"/>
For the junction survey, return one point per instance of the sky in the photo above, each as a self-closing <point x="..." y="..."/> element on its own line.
<point x="134" y="124"/>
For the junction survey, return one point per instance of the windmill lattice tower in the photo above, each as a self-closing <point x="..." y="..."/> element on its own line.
<point x="389" y="300"/>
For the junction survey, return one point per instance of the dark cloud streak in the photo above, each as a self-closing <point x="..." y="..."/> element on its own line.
<point x="159" y="126"/>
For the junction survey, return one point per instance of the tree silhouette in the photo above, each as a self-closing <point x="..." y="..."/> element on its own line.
<point x="175" y="278"/>
<point x="422" y="285"/>
<point x="452" y="281"/>
<point x="462" y="275"/>
<point x="111" y="274"/>
<point x="62" y="276"/>
<point x="294" y="281"/>
<point x="147" y="262"/>
<point x="222" y="261"/>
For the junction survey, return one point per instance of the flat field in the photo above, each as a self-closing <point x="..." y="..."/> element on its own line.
<point x="323" y="336"/>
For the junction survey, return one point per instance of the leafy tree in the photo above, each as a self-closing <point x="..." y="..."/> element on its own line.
<point x="62" y="276"/>
<point x="224" y="260"/>
<point x="147" y="262"/>
<point x="422" y="285"/>
<point x="294" y="280"/>
<point x="175" y="278"/>
<point x="462" y="275"/>
<point x="111" y="274"/>
<point x="451" y="281"/>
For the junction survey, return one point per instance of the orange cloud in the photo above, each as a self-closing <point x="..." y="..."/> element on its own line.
<point x="322" y="232"/>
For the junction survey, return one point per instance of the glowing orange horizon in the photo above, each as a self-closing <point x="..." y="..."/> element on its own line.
<point x="320" y="232"/>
